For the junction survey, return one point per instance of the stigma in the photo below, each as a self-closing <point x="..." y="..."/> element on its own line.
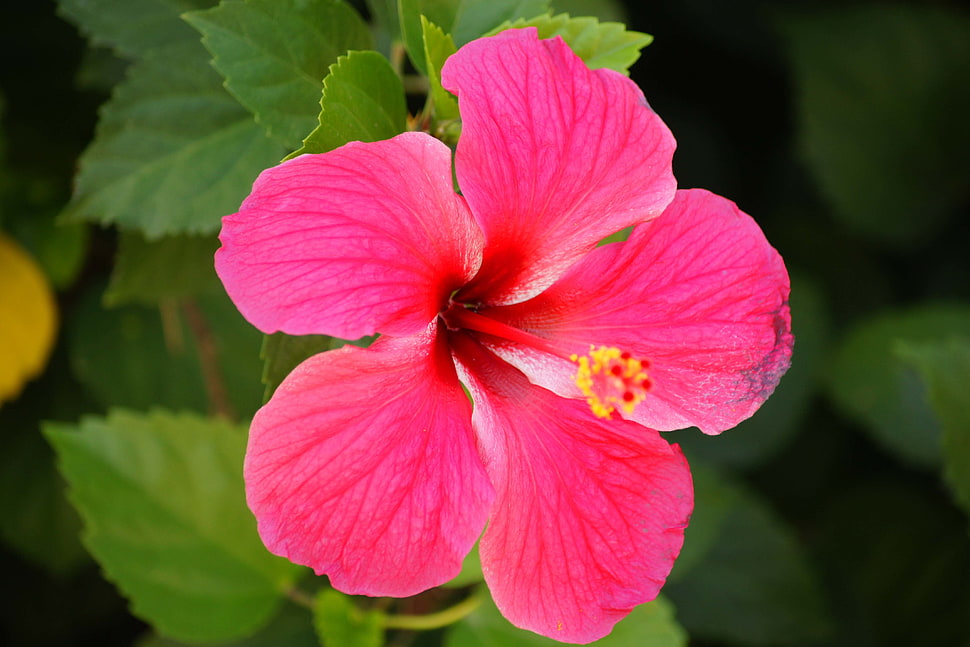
<point x="611" y="379"/>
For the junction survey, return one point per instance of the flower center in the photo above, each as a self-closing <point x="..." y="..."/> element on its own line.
<point x="459" y="317"/>
<point x="611" y="379"/>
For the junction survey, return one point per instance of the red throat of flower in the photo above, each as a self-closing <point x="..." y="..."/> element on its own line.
<point x="611" y="379"/>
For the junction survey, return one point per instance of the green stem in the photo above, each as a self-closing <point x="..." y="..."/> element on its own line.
<point x="398" y="52"/>
<point x="436" y="620"/>
<point x="300" y="597"/>
<point x="215" y="386"/>
<point x="168" y="309"/>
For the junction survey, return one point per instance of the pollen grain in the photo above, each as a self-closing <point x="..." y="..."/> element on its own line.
<point x="611" y="379"/>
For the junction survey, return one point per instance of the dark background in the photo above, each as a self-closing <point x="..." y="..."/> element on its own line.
<point x="887" y="548"/>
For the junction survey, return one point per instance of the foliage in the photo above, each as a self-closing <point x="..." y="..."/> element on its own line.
<point x="275" y="54"/>
<point x="161" y="497"/>
<point x="837" y="515"/>
<point x="606" y="44"/>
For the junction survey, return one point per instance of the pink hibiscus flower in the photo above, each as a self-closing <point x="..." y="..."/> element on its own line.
<point x="372" y="466"/>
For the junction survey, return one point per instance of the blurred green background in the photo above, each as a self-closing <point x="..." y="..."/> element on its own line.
<point x="833" y="517"/>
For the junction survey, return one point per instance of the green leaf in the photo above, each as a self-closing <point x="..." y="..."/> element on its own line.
<point x="600" y="45"/>
<point x="742" y="577"/>
<point x="871" y="385"/>
<point x="132" y="27"/>
<point x="882" y="98"/>
<point x="146" y="272"/>
<point x="386" y="23"/>
<point x="648" y="625"/>
<point x="293" y="627"/>
<point x="438" y="46"/>
<point x="100" y="70"/>
<point x="777" y="422"/>
<point x="173" y="151"/>
<point x="339" y="621"/>
<point x="203" y="355"/>
<point x="465" y="20"/>
<point x="945" y="368"/>
<point x="161" y="496"/>
<point x="363" y="100"/>
<point x="275" y="53"/>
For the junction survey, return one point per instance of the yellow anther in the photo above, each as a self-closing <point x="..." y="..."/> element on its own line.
<point x="611" y="379"/>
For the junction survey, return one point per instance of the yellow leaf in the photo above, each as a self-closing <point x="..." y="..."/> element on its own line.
<point x="28" y="318"/>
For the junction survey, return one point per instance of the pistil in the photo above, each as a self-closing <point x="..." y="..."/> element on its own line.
<point x="460" y="317"/>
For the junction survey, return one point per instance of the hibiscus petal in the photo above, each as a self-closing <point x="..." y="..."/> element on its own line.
<point x="589" y="514"/>
<point x="367" y="238"/>
<point x="363" y="466"/>
<point x="698" y="292"/>
<point x="552" y="157"/>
